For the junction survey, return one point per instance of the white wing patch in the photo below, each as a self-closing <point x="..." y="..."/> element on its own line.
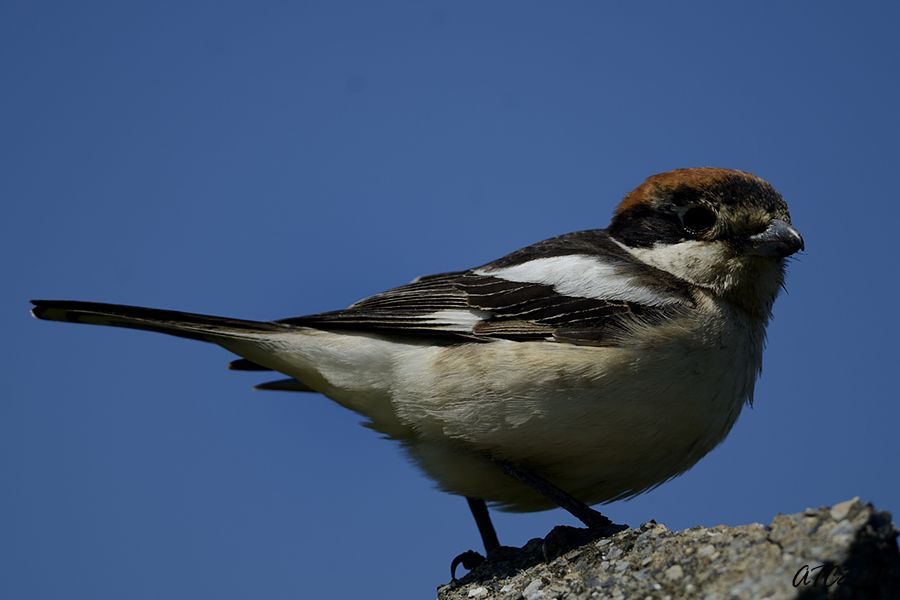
<point x="582" y="276"/>
<point x="456" y="319"/>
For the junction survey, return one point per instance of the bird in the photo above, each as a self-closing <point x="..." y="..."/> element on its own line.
<point x="582" y="369"/>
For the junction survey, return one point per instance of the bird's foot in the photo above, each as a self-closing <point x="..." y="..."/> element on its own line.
<point x="563" y="538"/>
<point x="501" y="561"/>
<point x="468" y="559"/>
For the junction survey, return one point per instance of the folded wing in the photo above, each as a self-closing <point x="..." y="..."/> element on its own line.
<point x="579" y="288"/>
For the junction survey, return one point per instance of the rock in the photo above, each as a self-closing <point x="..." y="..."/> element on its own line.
<point x="848" y="550"/>
<point x="840" y="510"/>
<point x="674" y="573"/>
<point x="532" y="591"/>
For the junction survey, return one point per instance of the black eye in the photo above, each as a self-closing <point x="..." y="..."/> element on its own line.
<point x="698" y="219"/>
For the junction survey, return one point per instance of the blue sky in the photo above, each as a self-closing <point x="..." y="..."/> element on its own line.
<point x="266" y="160"/>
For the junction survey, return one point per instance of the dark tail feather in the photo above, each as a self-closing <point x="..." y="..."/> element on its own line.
<point x="242" y="364"/>
<point x="284" y="385"/>
<point x="206" y="328"/>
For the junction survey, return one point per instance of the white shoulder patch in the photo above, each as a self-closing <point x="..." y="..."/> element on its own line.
<point x="582" y="276"/>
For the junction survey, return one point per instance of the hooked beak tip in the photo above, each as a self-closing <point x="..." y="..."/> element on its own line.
<point x="779" y="239"/>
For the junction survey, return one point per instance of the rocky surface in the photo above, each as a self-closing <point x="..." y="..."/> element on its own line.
<point x="848" y="550"/>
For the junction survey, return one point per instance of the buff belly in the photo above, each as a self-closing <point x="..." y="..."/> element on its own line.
<point x="599" y="422"/>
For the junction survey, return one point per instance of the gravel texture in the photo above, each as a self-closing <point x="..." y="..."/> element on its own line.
<point x="848" y="550"/>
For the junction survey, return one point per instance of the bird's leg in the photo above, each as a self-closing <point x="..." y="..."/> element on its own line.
<point x="563" y="538"/>
<point x="560" y="540"/>
<point x="581" y="511"/>
<point x="471" y="559"/>
<point x="485" y="527"/>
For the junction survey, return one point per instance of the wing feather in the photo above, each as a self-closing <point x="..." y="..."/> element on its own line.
<point x="587" y="293"/>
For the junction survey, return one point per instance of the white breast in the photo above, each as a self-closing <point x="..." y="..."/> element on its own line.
<point x="600" y="422"/>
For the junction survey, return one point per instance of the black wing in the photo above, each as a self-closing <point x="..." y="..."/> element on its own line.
<point x="482" y="305"/>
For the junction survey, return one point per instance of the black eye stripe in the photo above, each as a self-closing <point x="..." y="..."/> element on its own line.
<point x="685" y="196"/>
<point x="643" y="226"/>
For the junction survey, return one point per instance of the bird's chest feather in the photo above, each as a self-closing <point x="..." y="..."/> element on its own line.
<point x="651" y="407"/>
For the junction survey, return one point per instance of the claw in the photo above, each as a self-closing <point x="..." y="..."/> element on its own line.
<point x="468" y="559"/>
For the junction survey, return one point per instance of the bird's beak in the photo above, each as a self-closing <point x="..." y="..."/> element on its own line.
<point x="779" y="239"/>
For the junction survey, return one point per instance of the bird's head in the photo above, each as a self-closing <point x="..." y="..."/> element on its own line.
<point x="723" y="230"/>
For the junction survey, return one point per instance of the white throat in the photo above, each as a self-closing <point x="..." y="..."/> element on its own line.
<point x="748" y="281"/>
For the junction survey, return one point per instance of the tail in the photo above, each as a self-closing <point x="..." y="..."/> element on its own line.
<point x="205" y="328"/>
